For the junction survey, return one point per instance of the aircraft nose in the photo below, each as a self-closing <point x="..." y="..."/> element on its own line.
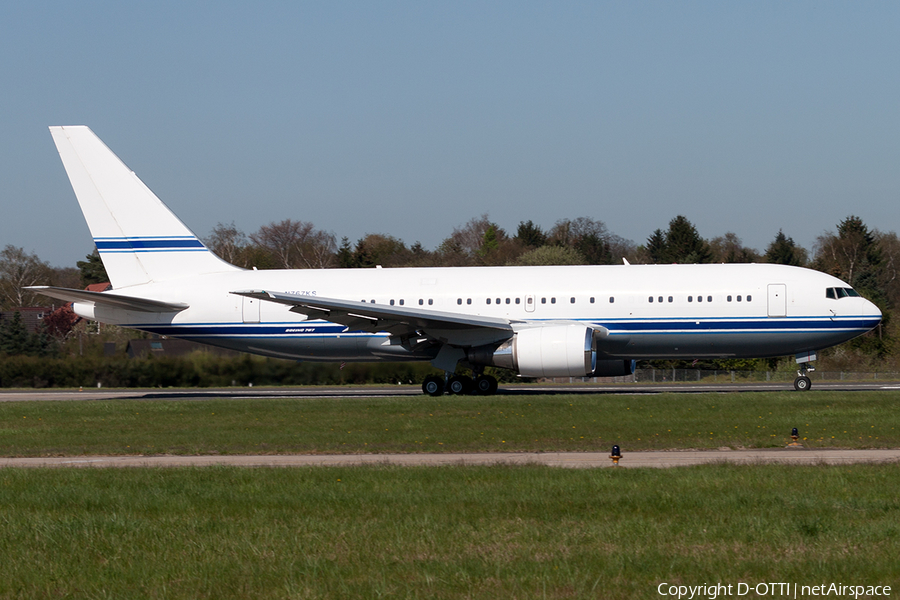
<point x="870" y="310"/>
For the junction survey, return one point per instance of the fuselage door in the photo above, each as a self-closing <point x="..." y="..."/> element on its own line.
<point x="529" y="303"/>
<point x="777" y="300"/>
<point x="251" y="310"/>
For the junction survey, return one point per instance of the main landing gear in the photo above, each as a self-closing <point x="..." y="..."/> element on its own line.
<point x="483" y="385"/>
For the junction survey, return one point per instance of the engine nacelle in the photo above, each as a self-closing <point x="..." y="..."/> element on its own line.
<point x="552" y="351"/>
<point x="613" y="368"/>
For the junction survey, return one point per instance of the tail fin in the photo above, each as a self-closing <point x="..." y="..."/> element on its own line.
<point x="140" y="240"/>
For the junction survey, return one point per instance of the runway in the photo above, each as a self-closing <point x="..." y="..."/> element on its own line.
<point x="373" y="391"/>
<point x="578" y="460"/>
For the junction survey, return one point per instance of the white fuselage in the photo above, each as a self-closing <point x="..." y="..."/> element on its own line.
<point x="650" y="311"/>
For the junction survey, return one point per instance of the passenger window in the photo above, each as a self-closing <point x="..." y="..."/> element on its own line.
<point x="572" y="300"/>
<point x="650" y="299"/>
<point x="671" y="299"/>
<point x="660" y="299"/>
<point x="392" y="301"/>
<point x="507" y="300"/>
<point x="468" y="301"/>
<point x="699" y="298"/>
<point x="592" y="299"/>
<point x="420" y="302"/>
<point x="488" y="300"/>
<point x="498" y="300"/>
<point x="728" y="298"/>
<point x="401" y="301"/>
<point x="690" y="298"/>
<point x="518" y="300"/>
<point x="738" y="298"/>
<point x="543" y="301"/>
<point x="749" y="298"/>
<point x="612" y="299"/>
<point x="709" y="298"/>
<point x="552" y="300"/>
<point x="459" y="300"/>
<point x="430" y="301"/>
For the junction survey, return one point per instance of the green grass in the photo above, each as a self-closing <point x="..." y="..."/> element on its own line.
<point x="441" y="532"/>
<point x="451" y="424"/>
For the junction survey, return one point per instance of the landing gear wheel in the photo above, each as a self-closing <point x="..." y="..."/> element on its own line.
<point x="433" y="385"/>
<point x="459" y="384"/>
<point x="485" y="385"/>
<point x="802" y="383"/>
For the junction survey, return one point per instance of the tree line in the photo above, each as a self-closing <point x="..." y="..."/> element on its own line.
<point x="865" y="258"/>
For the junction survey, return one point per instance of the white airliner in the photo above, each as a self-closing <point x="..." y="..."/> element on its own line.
<point x="538" y="321"/>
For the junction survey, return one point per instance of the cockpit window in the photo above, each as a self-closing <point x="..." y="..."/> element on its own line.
<point x="837" y="293"/>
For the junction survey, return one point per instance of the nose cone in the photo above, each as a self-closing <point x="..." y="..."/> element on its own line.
<point x="871" y="311"/>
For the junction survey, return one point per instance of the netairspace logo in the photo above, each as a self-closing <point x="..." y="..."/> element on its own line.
<point x="771" y="590"/>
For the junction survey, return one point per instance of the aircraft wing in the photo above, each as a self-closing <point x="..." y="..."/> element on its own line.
<point x="106" y="298"/>
<point x="403" y="321"/>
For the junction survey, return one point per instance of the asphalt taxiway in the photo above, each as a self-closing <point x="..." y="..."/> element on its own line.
<point x="371" y="391"/>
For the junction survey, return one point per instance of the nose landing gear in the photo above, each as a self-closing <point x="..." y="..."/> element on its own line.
<point x="802" y="383"/>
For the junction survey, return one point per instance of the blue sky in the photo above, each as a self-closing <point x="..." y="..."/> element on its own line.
<point x="411" y="118"/>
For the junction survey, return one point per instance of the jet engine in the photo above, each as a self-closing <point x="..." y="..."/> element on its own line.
<point x="552" y="351"/>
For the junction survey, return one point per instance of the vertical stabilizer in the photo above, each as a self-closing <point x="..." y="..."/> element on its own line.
<point x="139" y="239"/>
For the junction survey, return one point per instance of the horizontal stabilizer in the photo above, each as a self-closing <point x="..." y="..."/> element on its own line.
<point x="108" y="299"/>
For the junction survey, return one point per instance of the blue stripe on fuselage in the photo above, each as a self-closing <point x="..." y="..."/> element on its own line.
<point x="637" y="327"/>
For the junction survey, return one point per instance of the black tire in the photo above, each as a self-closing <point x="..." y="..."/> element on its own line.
<point x="485" y="385"/>
<point x="459" y="384"/>
<point x="433" y="385"/>
<point x="802" y="384"/>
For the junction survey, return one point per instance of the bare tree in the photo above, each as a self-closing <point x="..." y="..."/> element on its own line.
<point x="550" y="255"/>
<point x="567" y="232"/>
<point x="227" y="242"/>
<point x="592" y="239"/>
<point x="479" y="242"/>
<point x="18" y="269"/>
<point x="296" y="244"/>
<point x="728" y="248"/>
<point x="889" y="244"/>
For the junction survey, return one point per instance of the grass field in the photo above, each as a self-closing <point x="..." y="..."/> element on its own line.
<point x="450" y="424"/>
<point x="441" y="532"/>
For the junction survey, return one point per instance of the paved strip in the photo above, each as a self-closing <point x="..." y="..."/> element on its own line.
<point x="317" y="392"/>
<point x="794" y="456"/>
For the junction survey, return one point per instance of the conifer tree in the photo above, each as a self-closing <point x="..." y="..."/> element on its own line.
<point x="783" y="251"/>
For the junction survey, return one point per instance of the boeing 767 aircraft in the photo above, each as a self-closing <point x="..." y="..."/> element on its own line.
<point x="537" y="321"/>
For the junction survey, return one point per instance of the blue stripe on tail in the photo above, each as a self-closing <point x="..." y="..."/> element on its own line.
<point x="149" y="244"/>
